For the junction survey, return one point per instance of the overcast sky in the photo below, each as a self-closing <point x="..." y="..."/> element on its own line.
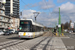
<point x="49" y="10"/>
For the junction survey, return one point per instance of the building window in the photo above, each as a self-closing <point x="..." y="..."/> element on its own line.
<point x="1" y="12"/>
<point x="2" y="18"/>
<point x="1" y="5"/>
<point x="6" y="19"/>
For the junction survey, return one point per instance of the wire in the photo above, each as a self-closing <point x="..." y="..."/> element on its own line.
<point x="46" y="5"/>
<point x="25" y="3"/>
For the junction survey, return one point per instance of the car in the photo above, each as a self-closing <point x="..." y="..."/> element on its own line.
<point x="74" y="31"/>
<point x="16" y="32"/>
<point x="65" y="30"/>
<point x="7" y="32"/>
<point x="70" y="31"/>
<point x="11" y="31"/>
<point x="1" y="32"/>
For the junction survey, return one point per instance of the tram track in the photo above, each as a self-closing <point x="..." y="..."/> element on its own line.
<point x="44" y="48"/>
<point x="10" y="43"/>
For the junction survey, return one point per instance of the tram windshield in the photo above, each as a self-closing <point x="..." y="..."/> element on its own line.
<point x="25" y="26"/>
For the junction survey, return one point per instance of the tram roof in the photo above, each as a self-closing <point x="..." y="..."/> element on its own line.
<point x="34" y="23"/>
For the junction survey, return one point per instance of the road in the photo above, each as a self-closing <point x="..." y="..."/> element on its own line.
<point x="71" y="35"/>
<point x="69" y="42"/>
<point x="45" y="42"/>
<point x="9" y="42"/>
<point x="4" y="38"/>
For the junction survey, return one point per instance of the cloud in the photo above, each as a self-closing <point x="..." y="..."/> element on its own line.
<point x="47" y="19"/>
<point x="28" y="13"/>
<point x="42" y="5"/>
<point x="60" y="1"/>
<point x="46" y="4"/>
<point x="66" y="8"/>
<point x="67" y="11"/>
<point x="43" y="18"/>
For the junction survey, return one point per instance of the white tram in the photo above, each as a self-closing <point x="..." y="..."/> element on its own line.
<point x="30" y="29"/>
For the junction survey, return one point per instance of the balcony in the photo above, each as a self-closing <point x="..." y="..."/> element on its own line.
<point x="4" y="21"/>
<point x="2" y="8"/>
<point x="3" y="26"/>
<point x="2" y="14"/>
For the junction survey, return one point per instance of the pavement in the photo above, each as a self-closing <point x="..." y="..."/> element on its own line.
<point x="4" y="38"/>
<point x="45" y="42"/>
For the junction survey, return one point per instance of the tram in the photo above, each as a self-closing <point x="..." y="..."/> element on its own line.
<point x="30" y="29"/>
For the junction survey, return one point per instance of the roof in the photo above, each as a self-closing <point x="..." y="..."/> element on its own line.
<point x="34" y="23"/>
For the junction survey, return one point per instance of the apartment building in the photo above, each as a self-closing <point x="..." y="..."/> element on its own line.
<point x="12" y="7"/>
<point x="4" y="20"/>
<point x="15" y="23"/>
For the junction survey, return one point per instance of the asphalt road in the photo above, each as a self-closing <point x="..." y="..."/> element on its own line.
<point x="4" y="38"/>
<point x="45" y="42"/>
<point x="71" y="35"/>
<point x="69" y="42"/>
<point x="11" y="42"/>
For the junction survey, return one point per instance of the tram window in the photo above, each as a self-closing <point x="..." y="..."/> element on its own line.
<point x="36" y="28"/>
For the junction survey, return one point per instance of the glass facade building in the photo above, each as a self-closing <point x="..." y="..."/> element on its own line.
<point x="12" y="7"/>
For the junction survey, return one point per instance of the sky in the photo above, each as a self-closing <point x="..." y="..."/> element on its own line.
<point x="48" y="11"/>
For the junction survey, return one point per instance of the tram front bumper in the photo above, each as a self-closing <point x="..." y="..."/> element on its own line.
<point x="26" y="36"/>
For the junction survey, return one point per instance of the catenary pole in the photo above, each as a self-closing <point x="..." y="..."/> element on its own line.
<point x="59" y="23"/>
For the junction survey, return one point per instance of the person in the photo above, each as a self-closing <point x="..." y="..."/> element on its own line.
<point x="54" y="32"/>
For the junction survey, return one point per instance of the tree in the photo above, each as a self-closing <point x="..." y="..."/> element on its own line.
<point x="66" y="25"/>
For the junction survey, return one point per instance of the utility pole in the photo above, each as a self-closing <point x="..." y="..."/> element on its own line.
<point x="59" y="23"/>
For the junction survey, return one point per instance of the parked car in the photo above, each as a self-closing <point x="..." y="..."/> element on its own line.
<point x="12" y="31"/>
<point x="7" y="32"/>
<point x="65" y="30"/>
<point x="16" y="32"/>
<point x="1" y="32"/>
<point x="70" y="31"/>
<point x="74" y="31"/>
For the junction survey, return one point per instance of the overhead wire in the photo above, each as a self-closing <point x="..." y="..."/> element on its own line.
<point x="25" y="3"/>
<point x="49" y="11"/>
<point x="46" y="5"/>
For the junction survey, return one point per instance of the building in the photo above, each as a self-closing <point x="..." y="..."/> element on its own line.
<point x="14" y="23"/>
<point x="4" y="20"/>
<point x="12" y="7"/>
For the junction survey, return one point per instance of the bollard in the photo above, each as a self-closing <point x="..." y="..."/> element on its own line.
<point x="56" y="34"/>
<point x="62" y="34"/>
